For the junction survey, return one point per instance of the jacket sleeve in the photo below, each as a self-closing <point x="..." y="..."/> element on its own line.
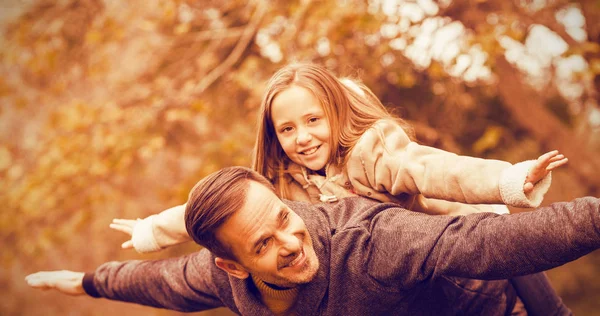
<point x="443" y="207"/>
<point x="386" y="160"/>
<point x="183" y="284"/>
<point x="406" y="248"/>
<point x="161" y="230"/>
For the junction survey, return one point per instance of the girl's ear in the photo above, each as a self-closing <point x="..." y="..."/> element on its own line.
<point x="232" y="268"/>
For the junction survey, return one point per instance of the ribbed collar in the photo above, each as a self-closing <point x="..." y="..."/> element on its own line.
<point x="280" y="302"/>
<point x="280" y="295"/>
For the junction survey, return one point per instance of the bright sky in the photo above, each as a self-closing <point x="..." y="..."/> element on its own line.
<point x="446" y="41"/>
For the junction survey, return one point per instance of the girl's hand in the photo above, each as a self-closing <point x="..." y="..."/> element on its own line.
<point x="125" y="226"/>
<point x="546" y="163"/>
<point x="67" y="282"/>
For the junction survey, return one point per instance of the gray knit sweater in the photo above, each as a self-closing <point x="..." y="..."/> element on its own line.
<point x="379" y="259"/>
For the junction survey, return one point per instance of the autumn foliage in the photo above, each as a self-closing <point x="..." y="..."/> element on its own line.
<point x="116" y="108"/>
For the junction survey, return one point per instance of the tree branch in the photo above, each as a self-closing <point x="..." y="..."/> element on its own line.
<point x="211" y="35"/>
<point x="237" y="50"/>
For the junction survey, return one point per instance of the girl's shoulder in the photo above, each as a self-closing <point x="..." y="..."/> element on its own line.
<point x="384" y="132"/>
<point x="387" y="125"/>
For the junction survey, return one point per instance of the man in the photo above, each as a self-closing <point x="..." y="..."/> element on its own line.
<point x="355" y="257"/>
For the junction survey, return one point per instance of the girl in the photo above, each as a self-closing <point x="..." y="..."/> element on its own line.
<point x="369" y="152"/>
<point x="320" y="139"/>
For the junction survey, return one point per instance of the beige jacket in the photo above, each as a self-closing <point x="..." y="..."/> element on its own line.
<point x="387" y="166"/>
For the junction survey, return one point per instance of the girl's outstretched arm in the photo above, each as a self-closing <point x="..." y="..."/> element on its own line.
<point x="386" y="162"/>
<point x="155" y="232"/>
<point x="443" y="207"/>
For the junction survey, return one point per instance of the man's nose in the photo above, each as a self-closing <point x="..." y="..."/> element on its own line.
<point x="289" y="244"/>
<point x="303" y="137"/>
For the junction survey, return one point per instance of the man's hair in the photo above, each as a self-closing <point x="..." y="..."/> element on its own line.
<point x="213" y="200"/>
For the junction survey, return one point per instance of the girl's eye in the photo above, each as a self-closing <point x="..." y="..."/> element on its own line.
<point x="286" y="129"/>
<point x="313" y="119"/>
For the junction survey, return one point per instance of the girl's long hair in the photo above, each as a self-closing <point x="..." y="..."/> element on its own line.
<point x="350" y="108"/>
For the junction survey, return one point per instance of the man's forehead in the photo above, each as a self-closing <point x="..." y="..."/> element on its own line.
<point x="259" y="211"/>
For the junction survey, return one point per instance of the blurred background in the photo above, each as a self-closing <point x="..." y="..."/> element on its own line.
<point x="114" y="109"/>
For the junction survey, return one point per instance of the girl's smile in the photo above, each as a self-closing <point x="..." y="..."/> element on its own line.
<point x="310" y="151"/>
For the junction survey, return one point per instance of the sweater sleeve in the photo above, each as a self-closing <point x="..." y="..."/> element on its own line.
<point x="161" y="230"/>
<point x="386" y="160"/>
<point x="184" y="284"/>
<point x="406" y="248"/>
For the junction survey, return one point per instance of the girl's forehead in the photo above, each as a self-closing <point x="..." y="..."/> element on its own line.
<point x="294" y="96"/>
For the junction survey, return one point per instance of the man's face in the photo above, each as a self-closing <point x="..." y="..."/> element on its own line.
<point x="269" y="240"/>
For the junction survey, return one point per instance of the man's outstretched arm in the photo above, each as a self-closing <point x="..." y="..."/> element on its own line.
<point x="408" y="247"/>
<point x="182" y="284"/>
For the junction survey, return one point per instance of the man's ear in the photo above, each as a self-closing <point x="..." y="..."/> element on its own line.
<point x="232" y="268"/>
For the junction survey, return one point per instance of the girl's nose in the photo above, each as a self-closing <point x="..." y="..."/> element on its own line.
<point x="303" y="138"/>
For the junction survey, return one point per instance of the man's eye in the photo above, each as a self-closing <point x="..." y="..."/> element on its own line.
<point x="263" y="245"/>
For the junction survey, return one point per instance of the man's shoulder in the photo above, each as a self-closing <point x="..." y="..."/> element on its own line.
<point x="207" y="273"/>
<point x="345" y="213"/>
<point x="204" y="262"/>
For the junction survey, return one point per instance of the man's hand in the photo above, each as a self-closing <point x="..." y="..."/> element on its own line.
<point x="67" y="282"/>
<point x="125" y="226"/>
<point x="546" y="163"/>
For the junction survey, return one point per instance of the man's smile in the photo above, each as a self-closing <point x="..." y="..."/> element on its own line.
<point x="296" y="262"/>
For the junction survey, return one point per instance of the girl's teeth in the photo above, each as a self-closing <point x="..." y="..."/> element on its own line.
<point x="308" y="152"/>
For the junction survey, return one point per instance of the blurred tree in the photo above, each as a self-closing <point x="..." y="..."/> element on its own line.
<point x="115" y="109"/>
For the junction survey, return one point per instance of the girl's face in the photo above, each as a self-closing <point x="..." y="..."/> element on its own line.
<point x="301" y="127"/>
